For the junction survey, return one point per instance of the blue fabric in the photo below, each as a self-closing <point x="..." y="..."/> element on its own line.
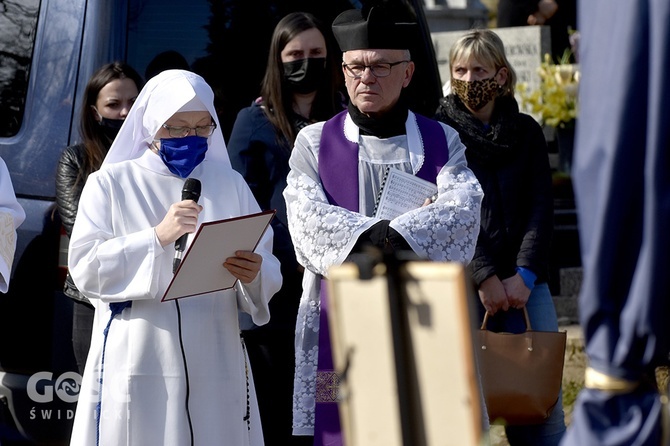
<point x="620" y="170"/>
<point x="528" y="276"/>
<point x="541" y="310"/>
<point x="550" y="433"/>
<point x="182" y="155"/>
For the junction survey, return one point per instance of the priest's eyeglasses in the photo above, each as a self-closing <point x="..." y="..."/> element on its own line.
<point x="181" y="132"/>
<point x="378" y="70"/>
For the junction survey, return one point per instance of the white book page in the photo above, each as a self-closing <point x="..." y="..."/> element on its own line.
<point x="402" y="192"/>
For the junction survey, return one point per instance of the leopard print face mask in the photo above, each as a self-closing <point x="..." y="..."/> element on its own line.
<point x="476" y="94"/>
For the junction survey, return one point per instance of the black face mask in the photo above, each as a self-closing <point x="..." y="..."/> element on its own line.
<point x="304" y="75"/>
<point x="110" y="127"/>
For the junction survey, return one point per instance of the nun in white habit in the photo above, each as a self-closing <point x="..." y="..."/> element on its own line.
<point x="169" y="373"/>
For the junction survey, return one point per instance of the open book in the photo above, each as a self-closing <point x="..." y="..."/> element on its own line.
<point x="402" y="192"/>
<point x="201" y="270"/>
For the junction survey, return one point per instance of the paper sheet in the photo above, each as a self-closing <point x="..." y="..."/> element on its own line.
<point x="402" y="192"/>
<point x="201" y="270"/>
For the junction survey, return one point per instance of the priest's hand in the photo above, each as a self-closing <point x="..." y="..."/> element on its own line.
<point x="244" y="266"/>
<point x="181" y="218"/>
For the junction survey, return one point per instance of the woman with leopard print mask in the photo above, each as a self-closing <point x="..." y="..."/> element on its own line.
<point x="508" y="153"/>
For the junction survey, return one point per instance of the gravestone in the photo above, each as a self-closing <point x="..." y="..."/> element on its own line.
<point x="525" y="47"/>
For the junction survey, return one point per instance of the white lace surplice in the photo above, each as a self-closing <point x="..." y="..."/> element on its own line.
<point x="324" y="234"/>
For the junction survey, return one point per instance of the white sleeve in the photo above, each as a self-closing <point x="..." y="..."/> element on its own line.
<point x="11" y="217"/>
<point x="447" y="229"/>
<point x="323" y="234"/>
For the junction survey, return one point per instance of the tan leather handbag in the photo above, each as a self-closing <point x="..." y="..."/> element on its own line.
<point x="521" y="373"/>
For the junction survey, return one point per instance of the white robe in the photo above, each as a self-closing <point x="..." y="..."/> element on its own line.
<point x="115" y="256"/>
<point x="11" y="217"/>
<point x="324" y="234"/>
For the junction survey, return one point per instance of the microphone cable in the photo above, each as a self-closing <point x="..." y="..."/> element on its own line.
<point x="188" y="386"/>
<point x="190" y="191"/>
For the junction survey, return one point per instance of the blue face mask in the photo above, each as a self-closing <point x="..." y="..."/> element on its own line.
<point x="182" y="155"/>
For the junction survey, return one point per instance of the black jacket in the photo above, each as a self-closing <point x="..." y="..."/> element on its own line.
<point x="511" y="162"/>
<point x="68" y="191"/>
<point x="262" y="158"/>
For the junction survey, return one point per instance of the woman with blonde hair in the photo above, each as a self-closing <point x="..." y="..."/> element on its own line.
<point x="507" y="152"/>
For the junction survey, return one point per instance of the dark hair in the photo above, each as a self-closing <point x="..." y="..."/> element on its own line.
<point x="96" y="143"/>
<point x="277" y="100"/>
<point x="164" y="61"/>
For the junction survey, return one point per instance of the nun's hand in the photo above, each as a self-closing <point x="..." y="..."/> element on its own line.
<point x="181" y="218"/>
<point x="244" y="266"/>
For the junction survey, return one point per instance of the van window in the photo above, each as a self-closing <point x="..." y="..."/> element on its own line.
<point x="18" y="18"/>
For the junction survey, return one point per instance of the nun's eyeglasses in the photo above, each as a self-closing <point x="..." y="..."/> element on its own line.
<point x="378" y="70"/>
<point x="181" y="132"/>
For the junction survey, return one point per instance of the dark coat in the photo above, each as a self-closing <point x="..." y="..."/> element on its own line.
<point x="517" y="209"/>
<point x="68" y="191"/>
<point x="262" y="158"/>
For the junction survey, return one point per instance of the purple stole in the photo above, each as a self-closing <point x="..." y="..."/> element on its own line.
<point x="338" y="170"/>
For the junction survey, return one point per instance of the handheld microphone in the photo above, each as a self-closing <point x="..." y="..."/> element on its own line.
<point x="190" y="191"/>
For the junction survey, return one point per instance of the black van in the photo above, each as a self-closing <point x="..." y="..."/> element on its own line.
<point x="48" y="51"/>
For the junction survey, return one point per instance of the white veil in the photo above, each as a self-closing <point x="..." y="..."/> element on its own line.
<point x="162" y="96"/>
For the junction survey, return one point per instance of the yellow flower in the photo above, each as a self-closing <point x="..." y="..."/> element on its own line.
<point x="555" y="101"/>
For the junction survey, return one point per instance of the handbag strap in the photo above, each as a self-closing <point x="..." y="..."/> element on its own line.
<point x="525" y="315"/>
